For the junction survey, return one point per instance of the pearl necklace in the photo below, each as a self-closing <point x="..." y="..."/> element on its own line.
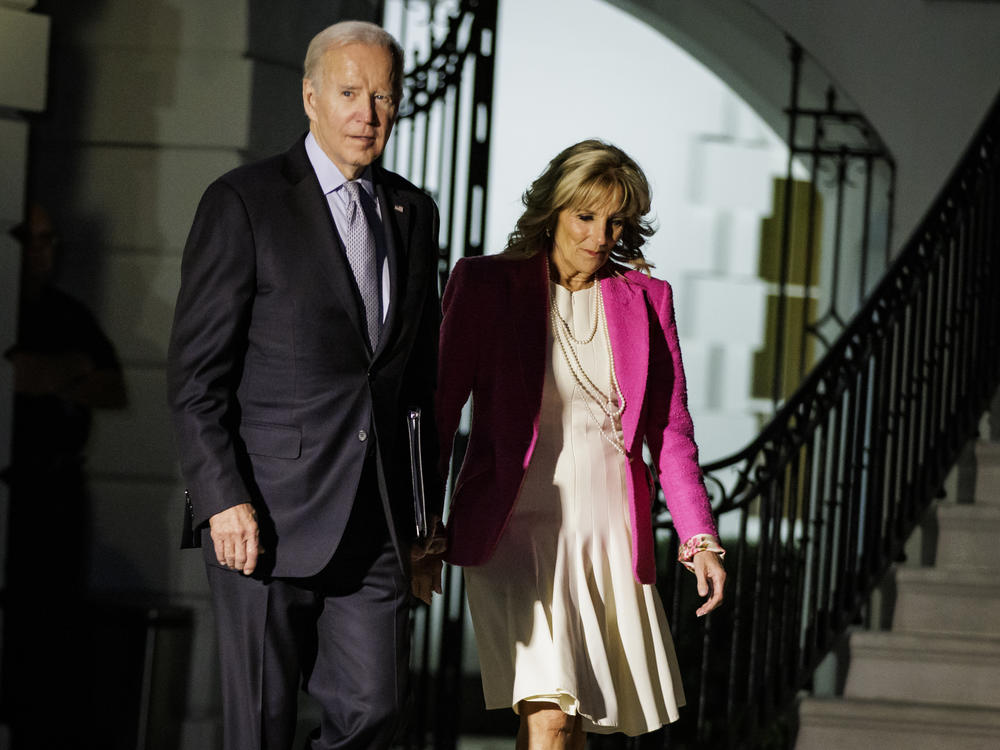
<point x="564" y="326"/>
<point x="611" y="405"/>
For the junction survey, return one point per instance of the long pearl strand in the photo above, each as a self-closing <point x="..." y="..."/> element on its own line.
<point x="612" y="405"/>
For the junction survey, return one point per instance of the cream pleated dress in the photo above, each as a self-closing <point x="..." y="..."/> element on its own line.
<point x="557" y="612"/>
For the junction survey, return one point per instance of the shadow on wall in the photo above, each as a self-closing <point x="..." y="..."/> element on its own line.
<point x="91" y="165"/>
<point x="95" y="158"/>
<point x="139" y="120"/>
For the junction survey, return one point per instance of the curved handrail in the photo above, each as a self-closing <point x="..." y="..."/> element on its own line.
<point x="885" y="301"/>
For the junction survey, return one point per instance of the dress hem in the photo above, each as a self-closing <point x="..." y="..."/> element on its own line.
<point x="569" y="704"/>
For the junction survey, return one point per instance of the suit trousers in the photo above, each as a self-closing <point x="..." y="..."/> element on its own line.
<point x="342" y="634"/>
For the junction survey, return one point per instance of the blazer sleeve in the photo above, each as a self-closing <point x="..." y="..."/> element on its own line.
<point x="670" y="431"/>
<point x="458" y="355"/>
<point x="205" y="355"/>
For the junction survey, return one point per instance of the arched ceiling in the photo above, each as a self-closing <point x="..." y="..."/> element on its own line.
<point x="739" y="44"/>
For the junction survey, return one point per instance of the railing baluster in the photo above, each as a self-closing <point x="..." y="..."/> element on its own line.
<point x="875" y="553"/>
<point x="788" y="639"/>
<point x="736" y="700"/>
<point x="814" y="558"/>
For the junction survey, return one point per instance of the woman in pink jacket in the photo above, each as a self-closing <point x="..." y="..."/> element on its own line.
<point x="568" y="348"/>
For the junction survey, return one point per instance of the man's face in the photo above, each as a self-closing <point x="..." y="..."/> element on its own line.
<point x="351" y="107"/>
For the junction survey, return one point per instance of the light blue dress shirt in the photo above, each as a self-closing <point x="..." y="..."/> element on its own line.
<point x="331" y="181"/>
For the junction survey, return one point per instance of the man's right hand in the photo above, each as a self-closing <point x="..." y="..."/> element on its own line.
<point x="234" y="532"/>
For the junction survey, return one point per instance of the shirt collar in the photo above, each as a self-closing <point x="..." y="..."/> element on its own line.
<point x="330" y="178"/>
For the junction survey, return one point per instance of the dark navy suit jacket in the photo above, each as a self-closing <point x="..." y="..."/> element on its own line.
<point x="275" y="395"/>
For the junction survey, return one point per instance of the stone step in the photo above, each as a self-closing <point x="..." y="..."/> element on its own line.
<point x="967" y="536"/>
<point x="987" y="490"/>
<point x="829" y="724"/>
<point x="943" y="601"/>
<point x="936" y="669"/>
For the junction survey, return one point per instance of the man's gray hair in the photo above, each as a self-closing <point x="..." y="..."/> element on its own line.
<point x="353" y="32"/>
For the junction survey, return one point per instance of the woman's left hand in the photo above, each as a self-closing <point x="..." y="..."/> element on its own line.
<point x="711" y="580"/>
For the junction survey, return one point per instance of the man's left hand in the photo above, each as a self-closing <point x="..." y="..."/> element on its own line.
<point x="425" y="573"/>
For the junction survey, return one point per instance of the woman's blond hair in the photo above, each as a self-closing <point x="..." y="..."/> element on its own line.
<point x="584" y="176"/>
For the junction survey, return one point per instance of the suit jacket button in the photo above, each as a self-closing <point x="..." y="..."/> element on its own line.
<point x="362" y="435"/>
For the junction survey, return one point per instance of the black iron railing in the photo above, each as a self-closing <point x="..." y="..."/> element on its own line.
<point x="816" y="508"/>
<point x="442" y="139"/>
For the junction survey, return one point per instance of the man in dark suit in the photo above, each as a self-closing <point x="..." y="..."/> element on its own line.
<point x="306" y="327"/>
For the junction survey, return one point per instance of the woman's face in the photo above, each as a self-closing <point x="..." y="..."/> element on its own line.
<point x="582" y="242"/>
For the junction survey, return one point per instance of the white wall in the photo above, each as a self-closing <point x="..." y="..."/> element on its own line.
<point x="709" y="156"/>
<point x="924" y="72"/>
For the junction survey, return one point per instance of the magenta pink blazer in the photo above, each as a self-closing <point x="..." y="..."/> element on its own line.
<point x="493" y="348"/>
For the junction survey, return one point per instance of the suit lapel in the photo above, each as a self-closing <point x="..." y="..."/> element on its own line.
<point x="396" y="216"/>
<point x="317" y="234"/>
<point x="628" y="328"/>
<point x="407" y="263"/>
